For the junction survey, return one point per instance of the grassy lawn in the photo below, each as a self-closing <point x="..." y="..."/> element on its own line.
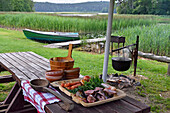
<point x="156" y="88"/>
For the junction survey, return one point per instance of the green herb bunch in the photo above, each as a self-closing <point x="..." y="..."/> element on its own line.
<point x="90" y="85"/>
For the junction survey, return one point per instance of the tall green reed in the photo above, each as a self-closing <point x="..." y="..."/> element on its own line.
<point x="153" y="39"/>
<point x="97" y="24"/>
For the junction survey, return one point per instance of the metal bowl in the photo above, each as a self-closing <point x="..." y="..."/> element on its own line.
<point x="121" y="63"/>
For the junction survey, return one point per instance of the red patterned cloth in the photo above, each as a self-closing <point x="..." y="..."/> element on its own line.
<point x="37" y="99"/>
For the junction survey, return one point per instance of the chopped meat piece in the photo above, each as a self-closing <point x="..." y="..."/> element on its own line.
<point x="89" y="92"/>
<point x="99" y="97"/>
<point x="98" y="88"/>
<point x="79" y="94"/>
<point x="91" y="99"/>
<point x="110" y="92"/>
<point x="101" y="92"/>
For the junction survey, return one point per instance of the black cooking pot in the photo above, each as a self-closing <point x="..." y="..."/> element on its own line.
<point x="121" y="63"/>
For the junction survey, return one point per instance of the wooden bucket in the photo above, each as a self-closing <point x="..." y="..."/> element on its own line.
<point x="72" y="73"/>
<point x="62" y="62"/>
<point x="53" y="75"/>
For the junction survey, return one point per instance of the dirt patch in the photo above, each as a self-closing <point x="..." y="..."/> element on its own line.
<point x="132" y="92"/>
<point x="11" y="28"/>
<point x="138" y="77"/>
<point x="165" y="94"/>
<point x="133" y="88"/>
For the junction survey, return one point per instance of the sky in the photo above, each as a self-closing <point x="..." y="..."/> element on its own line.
<point x="67" y="1"/>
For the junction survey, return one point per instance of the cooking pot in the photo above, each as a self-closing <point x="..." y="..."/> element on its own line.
<point x="121" y="63"/>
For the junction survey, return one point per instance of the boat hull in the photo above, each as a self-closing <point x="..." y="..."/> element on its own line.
<point x="40" y="36"/>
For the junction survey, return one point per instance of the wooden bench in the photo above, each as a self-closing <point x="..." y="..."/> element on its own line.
<point x="28" y="65"/>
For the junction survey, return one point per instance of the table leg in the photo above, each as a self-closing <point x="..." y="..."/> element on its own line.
<point x="17" y="102"/>
<point x="11" y="94"/>
<point x="15" y="99"/>
<point x="2" y="69"/>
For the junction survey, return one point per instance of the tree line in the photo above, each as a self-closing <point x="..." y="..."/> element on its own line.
<point x="17" y="5"/>
<point x="157" y="7"/>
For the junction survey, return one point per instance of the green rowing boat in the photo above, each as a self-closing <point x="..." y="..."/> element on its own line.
<point x="50" y="36"/>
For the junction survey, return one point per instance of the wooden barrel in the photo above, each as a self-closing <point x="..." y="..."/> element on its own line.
<point x="62" y="62"/>
<point x="72" y="73"/>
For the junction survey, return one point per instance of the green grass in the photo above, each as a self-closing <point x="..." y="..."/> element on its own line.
<point x="153" y="39"/>
<point x="4" y="90"/>
<point x="92" y="64"/>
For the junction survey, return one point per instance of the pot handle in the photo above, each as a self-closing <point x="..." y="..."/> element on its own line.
<point x="70" y="50"/>
<point x="68" y="104"/>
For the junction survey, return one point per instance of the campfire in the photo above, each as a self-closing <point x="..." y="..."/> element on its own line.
<point x="121" y="81"/>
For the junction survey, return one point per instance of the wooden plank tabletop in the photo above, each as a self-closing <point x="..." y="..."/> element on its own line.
<point x="24" y="65"/>
<point x="28" y="65"/>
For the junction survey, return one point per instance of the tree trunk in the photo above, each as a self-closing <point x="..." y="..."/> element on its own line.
<point x="154" y="57"/>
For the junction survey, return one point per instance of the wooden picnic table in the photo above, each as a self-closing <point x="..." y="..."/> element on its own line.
<point x="28" y="66"/>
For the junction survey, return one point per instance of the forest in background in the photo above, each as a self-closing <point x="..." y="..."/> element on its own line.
<point x="17" y="5"/>
<point x="156" y="7"/>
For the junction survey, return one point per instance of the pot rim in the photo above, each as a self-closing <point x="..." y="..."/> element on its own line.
<point x="118" y="59"/>
<point x="70" y="60"/>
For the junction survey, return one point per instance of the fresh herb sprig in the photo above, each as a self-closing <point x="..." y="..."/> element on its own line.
<point x="90" y="85"/>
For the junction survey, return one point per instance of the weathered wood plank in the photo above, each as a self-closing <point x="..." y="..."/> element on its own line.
<point x="28" y="108"/>
<point x="30" y="66"/>
<point x="41" y="63"/>
<point x="118" y="108"/>
<point x="3" y="110"/>
<point x="19" y="65"/>
<point x="80" y="109"/>
<point x="77" y="42"/>
<point x="6" y="78"/>
<point x="104" y="108"/>
<point x="12" y="69"/>
<point x="4" y="106"/>
<point x="128" y="106"/>
<point x="54" y="108"/>
<point x="144" y="107"/>
<point x="40" y="57"/>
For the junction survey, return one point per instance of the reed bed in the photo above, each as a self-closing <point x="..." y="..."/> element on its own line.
<point x="96" y="24"/>
<point x="153" y="39"/>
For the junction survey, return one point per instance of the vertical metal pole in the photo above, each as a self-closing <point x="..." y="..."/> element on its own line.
<point x="136" y="55"/>
<point x="108" y="37"/>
